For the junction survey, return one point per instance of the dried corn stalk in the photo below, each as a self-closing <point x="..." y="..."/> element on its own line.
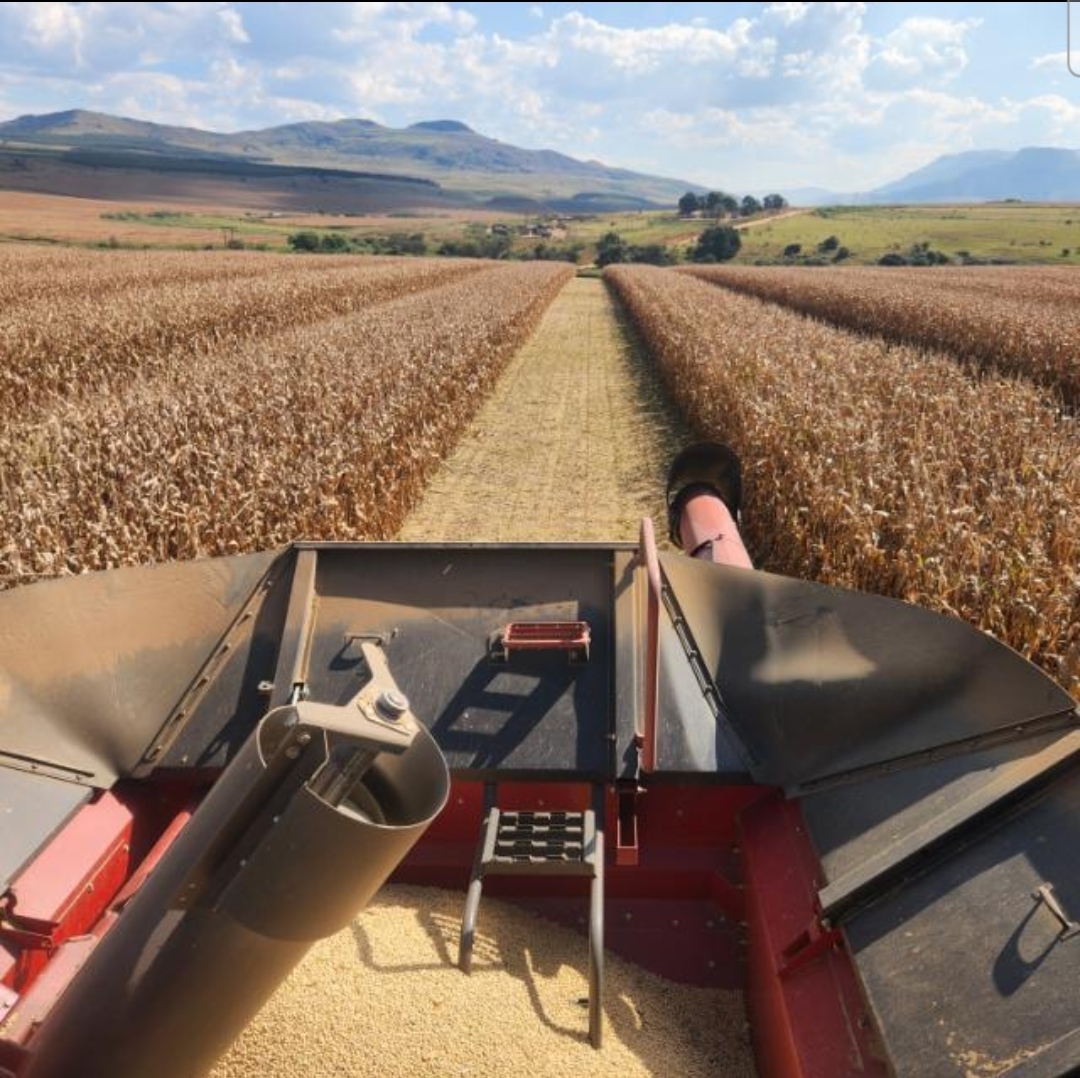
<point x="327" y="430"/>
<point x="881" y="467"/>
<point x="1023" y="321"/>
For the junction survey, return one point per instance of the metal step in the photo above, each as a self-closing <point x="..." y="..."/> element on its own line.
<point x="552" y="843"/>
<point x="540" y="843"/>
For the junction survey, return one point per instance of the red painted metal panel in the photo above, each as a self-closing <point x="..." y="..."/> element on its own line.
<point x="678" y="911"/>
<point x="75" y="890"/>
<point x="693" y="815"/>
<point x="807" y="1012"/>
<point x="34" y="1005"/>
<point x="72" y="863"/>
<point x="65" y="889"/>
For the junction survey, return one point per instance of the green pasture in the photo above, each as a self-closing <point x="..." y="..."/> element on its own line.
<point x="1005" y="232"/>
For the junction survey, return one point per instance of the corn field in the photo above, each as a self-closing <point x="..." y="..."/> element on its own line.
<point x="170" y="405"/>
<point x="75" y="337"/>
<point x="224" y="414"/>
<point x="881" y="467"/>
<point x="1022" y="321"/>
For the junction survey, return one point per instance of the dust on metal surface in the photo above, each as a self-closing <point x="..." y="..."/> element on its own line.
<point x="820" y="683"/>
<point x="91" y="667"/>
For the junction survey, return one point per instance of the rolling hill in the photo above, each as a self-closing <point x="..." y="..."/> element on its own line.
<point x="446" y="153"/>
<point x="1033" y="174"/>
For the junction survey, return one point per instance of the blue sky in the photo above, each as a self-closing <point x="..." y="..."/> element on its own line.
<point x="739" y="96"/>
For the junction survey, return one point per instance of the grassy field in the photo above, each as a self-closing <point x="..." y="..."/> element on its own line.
<point x="1012" y="232"/>
<point x="60" y="219"/>
<point x="97" y="222"/>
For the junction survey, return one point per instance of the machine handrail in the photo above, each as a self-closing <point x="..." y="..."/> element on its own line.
<point x="646" y="734"/>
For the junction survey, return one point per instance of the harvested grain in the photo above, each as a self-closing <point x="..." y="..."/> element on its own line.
<point x="385" y="998"/>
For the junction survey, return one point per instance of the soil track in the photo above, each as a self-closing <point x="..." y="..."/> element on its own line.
<point x="572" y="445"/>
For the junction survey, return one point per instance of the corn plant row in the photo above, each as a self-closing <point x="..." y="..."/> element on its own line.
<point x="324" y="431"/>
<point x="89" y="346"/>
<point x="879" y="467"/>
<point x="33" y="274"/>
<point x="1017" y="334"/>
<point x="1036" y="284"/>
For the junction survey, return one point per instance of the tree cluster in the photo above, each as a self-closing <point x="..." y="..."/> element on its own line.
<point x="397" y="243"/>
<point x="719" y="204"/>
<point x="717" y="244"/>
<point x="612" y="248"/>
<point x="920" y="254"/>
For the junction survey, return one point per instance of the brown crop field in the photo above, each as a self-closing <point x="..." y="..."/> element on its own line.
<point x="170" y="404"/>
<point x="209" y="415"/>
<point x="882" y="467"/>
<point x="1020" y="320"/>
<point x="73" y="335"/>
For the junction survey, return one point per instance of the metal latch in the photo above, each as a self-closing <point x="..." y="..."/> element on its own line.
<point x="1045" y="894"/>
<point x="26" y="933"/>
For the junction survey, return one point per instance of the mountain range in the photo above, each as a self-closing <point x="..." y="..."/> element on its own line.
<point x="357" y="165"/>
<point x="1033" y="174"/>
<point x="464" y="164"/>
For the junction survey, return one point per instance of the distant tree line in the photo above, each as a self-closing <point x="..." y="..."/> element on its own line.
<point x="920" y="254"/>
<point x="718" y="204"/>
<point x="415" y="243"/>
<point x="397" y="243"/>
<point x="612" y="248"/>
<point x="716" y="244"/>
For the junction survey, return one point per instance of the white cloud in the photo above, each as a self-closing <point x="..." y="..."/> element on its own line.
<point x="97" y="39"/>
<point x="55" y="31"/>
<point x="1051" y="60"/>
<point x="923" y="49"/>
<point x="233" y="25"/>
<point x="795" y="93"/>
<point x="1055" y="115"/>
<point x="631" y="48"/>
<point x="789" y="13"/>
<point x="366" y="22"/>
<point x="50" y="25"/>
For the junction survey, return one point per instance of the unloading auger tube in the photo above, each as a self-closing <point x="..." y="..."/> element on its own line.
<point x="303" y="827"/>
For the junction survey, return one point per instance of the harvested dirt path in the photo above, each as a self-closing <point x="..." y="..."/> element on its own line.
<point x="572" y="445"/>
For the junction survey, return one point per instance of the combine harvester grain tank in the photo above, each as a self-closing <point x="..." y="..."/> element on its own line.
<point x="862" y="813"/>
